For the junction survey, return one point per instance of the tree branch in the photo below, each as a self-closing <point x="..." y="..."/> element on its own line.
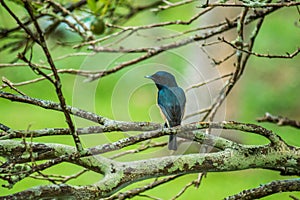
<point x="109" y="124"/>
<point x="18" y="151"/>
<point x="251" y="4"/>
<point x="123" y="173"/>
<point x="279" y="120"/>
<point x="268" y="189"/>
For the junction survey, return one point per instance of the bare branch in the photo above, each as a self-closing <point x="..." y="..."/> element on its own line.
<point x="288" y="55"/>
<point x="279" y="120"/>
<point x="206" y="82"/>
<point x="251" y="4"/>
<point x="172" y="5"/>
<point x="138" y="191"/>
<point x="10" y="84"/>
<point x="59" y="178"/>
<point x="78" y="112"/>
<point x="183" y="190"/>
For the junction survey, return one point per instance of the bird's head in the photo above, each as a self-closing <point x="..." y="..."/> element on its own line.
<point x="163" y="78"/>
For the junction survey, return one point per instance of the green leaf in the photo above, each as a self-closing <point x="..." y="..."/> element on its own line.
<point x="92" y="4"/>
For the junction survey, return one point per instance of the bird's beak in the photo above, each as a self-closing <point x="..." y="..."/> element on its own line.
<point x="148" y="76"/>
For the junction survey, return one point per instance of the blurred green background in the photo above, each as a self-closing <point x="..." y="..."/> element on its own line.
<point x="268" y="85"/>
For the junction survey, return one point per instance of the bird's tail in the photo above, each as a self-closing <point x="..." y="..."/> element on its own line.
<point x="172" y="142"/>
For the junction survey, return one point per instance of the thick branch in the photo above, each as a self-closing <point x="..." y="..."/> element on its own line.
<point x="268" y="189"/>
<point x="124" y="173"/>
<point x="18" y="151"/>
<point x="54" y="191"/>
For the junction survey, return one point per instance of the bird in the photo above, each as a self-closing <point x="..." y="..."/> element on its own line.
<point x="171" y="100"/>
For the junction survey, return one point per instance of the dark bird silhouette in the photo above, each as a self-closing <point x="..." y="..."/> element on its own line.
<point x="171" y="101"/>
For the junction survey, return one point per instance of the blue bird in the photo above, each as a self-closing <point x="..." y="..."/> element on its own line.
<point x="171" y="101"/>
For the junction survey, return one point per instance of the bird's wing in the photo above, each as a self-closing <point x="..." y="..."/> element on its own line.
<point x="172" y="103"/>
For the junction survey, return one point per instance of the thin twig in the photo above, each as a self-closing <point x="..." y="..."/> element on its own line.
<point x="206" y="82"/>
<point x="59" y="178"/>
<point x="141" y="148"/>
<point x="204" y="110"/>
<point x="138" y="191"/>
<point x="171" y="5"/>
<point x="10" y="84"/>
<point x="181" y="192"/>
<point x="214" y="62"/>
